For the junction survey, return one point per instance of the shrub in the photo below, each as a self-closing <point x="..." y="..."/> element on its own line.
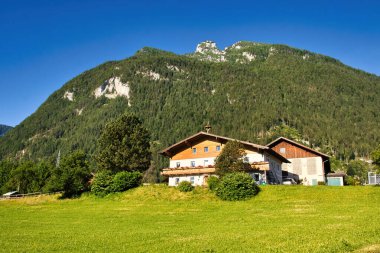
<point x="101" y="185"/>
<point x="321" y="183"/>
<point x="185" y="186"/>
<point x="237" y="186"/>
<point x="213" y="183"/>
<point x="125" y="180"/>
<point x="352" y="180"/>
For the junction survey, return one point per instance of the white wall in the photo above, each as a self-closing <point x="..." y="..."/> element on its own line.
<point x="198" y="179"/>
<point x="307" y="169"/>
<point x="187" y="162"/>
<point x="255" y="157"/>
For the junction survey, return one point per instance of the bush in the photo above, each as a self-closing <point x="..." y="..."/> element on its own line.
<point x="125" y="180"/>
<point x="321" y="183"/>
<point x="352" y="180"/>
<point x="213" y="183"/>
<point x="185" y="186"/>
<point x="237" y="186"/>
<point x="105" y="182"/>
<point x="101" y="185"/>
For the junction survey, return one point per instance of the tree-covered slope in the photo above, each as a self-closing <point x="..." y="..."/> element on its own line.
<point x="242" y="91"/>
<point x="4" y="129"/>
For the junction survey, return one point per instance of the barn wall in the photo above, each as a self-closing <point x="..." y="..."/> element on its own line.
<point x="291" y="150"/>
<point x="307" y="169"/>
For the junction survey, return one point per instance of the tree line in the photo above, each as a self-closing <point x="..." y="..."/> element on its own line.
<point x="123" y="157"/>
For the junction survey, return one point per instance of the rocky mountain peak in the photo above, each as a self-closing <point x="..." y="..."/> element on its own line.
<point x="207" y="46"/>
<point x="208" y="51"/>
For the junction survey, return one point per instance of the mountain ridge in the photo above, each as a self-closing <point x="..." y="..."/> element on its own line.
<point x="242" y="96"/>
<point x="4" y="129"/>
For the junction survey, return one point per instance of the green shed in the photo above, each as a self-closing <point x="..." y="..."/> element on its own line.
<point x="335" y="179"/>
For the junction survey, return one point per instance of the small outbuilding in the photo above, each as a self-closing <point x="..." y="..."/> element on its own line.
<point x="335" y="179"/>
<point x="307" y="165"/>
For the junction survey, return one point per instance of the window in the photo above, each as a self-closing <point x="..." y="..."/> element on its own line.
<point x="282" y="150"/>
<point x="205" y="162"/>
<point x="178" y="164"/>
<point x="192" y="180"/>
<point x="217" y="148"/>
<point x="176" y="180"/>
<point x="192" y="163"/>
<point x="206" y="149"/>
<point x="194" y="150"/>
<point x="246" y="159"/>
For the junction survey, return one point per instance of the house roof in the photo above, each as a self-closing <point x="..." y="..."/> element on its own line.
<point x="189" y="141"/>
<point x="273" y="143"/>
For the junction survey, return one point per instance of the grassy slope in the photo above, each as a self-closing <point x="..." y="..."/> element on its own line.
<point x="160" y="219"/>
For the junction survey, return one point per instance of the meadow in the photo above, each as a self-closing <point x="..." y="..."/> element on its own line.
<point x="162" y="219"/>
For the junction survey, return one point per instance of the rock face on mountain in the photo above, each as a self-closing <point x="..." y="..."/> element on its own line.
<point x="242" y="52"/>
<point x="242" y="90"/>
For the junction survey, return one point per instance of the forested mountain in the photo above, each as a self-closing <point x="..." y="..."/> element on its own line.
<point x="4" y="129"/>
<point x="242" y="91"/>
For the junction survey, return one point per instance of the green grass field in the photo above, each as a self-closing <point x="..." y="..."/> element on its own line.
<point x="161" y="219"/>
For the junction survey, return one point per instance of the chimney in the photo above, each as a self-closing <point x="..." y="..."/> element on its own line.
<point x="207" y="127"/>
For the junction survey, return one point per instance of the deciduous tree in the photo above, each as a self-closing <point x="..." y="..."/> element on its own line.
<point x="231" y="159"/>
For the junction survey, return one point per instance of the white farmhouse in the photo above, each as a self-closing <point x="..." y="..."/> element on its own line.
<point x="192" y="159"/>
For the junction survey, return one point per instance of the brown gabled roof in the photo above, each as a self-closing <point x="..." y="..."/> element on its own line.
<point x="169" y="151"/>
<point x="273" y="143"/>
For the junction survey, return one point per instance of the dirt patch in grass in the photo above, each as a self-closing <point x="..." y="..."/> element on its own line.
<point x="375" y="248"/>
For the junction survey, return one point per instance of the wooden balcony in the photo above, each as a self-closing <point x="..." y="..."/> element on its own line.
<point x="261" y="166"/>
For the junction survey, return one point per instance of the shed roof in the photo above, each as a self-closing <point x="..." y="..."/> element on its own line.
<point x="337" y="174"/>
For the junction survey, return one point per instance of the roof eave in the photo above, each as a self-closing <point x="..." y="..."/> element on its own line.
<point x="166" y="151"/>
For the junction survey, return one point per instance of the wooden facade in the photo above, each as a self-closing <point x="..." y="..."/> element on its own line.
<point x="289" y="150"/>
<point x="200" y="151"/>
<point x="187" y="171"/>
<point x="307" y="164"/>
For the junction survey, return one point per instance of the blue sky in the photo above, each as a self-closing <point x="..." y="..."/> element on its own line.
<point x="46" y="43"/>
